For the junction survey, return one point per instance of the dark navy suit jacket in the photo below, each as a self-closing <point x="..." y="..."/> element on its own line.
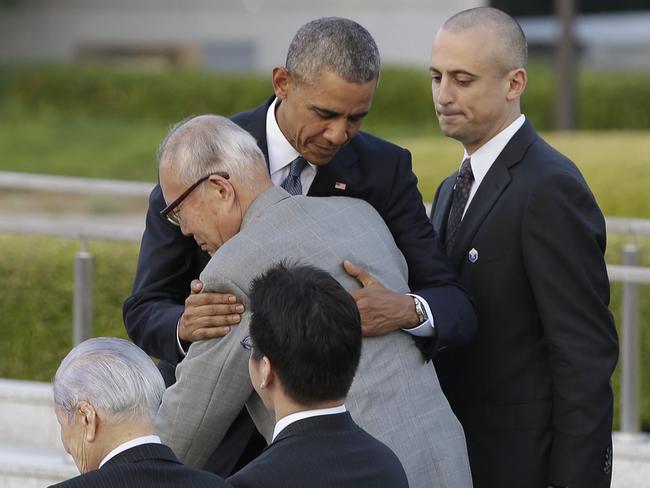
<point x="323" y="452"/>
<point x="532" y="389"/>
<point x="143" y="466"/>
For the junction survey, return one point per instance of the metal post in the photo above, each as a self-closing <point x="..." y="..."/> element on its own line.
<point x="83" y="294"/>
<point x="565" y="87"/>
<point x="631" y="351"/>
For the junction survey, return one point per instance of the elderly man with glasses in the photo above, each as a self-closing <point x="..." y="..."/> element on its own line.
<point x="223" y="198"/>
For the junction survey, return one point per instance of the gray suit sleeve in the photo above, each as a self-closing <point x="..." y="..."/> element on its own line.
<point x="212" y="385"/>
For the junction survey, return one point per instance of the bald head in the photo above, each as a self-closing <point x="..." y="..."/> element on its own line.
<point x="511" y="50"/>
<point x="478" y="75"/>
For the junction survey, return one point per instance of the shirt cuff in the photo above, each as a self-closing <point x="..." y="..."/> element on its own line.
<point x="184" y="352"/>
<point x="426" y="328"/>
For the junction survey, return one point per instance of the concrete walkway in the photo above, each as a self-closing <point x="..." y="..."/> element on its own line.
<point x="31" y="455"/>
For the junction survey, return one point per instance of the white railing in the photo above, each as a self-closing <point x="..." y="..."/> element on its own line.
<point x="68" y="184"/>
<point x="629" y="274"/>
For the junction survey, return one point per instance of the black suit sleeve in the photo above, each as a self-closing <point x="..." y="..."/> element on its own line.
<point x="564" y="241"/>
<point x="167" y="263"/>
<point x="430" y="271"/>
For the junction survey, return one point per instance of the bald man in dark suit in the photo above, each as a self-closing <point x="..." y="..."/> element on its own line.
<point x="526" y="236"/>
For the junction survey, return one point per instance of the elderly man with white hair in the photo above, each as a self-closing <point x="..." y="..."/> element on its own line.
<point x="106" y="394"/>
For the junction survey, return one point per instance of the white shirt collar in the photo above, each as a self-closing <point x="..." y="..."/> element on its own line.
<point x="147" y="439"/>
<point x="484" y="156"/>
<point x="284" y="422"/>
<point x="281" y="152"/>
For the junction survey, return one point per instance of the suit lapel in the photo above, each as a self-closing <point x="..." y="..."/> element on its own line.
<point x="495" y="182"/>
<point x="340" y="177"/>
<point x="441" y="207"/>
<point x="492" y="186"/>
<point x="254" y="122"/>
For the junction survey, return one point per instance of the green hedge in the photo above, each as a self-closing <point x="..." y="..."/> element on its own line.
<point x="36" y="304"/>
<point x="605" y="101"/>
<point x="36" y="300"/>
<point x="128" y="93"/>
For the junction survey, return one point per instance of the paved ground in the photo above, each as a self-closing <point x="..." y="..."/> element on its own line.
<point x="31" y="455"/>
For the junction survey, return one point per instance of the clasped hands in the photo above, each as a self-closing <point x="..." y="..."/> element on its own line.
<point x="210" y="315"/>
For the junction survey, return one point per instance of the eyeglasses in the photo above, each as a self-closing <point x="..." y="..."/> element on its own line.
<point x="246" y="343"/>
<point x="170" y="212"/>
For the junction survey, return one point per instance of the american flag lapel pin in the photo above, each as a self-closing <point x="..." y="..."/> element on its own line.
<point x="340" y="186"/>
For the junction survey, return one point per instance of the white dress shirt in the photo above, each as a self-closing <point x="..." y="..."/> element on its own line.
<point x="281" y="154"/>
<point x="138" y="441"/>
<point x="484" y="156"/>
<point x="284" y="422"/>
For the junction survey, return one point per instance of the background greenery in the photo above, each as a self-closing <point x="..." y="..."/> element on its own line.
<point x="107" y="122"/>
<point x="403" y="99"/>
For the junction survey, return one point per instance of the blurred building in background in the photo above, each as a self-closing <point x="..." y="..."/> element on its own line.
<point x="236" y="35"/>
<point x="604" y="41"/>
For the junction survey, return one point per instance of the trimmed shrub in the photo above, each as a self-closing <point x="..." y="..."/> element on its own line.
<point x="403" y="100"/>
<point x="103" y="91"/>
<point x="36" y="304"/>
<point x="36" y="300"/>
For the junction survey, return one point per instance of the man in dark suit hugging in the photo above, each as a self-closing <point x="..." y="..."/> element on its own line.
<point x="305" y="343"/>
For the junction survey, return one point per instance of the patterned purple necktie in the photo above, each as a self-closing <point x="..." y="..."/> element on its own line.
<point x="292" y="182"/>
<point x="462" y="187"/>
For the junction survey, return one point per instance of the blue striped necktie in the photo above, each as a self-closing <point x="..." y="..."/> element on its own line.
<point x="292" y="182"/>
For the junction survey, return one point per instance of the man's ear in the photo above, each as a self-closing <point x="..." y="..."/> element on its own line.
<point x="89" y="419"/>
<point x="267" y="373"/>
<point x="282" y="82"/>
<point x="518" y="79"/>
<point x="222" y="187"/>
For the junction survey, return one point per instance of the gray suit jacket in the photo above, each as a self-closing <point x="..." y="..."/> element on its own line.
<point x="395" y="396"/>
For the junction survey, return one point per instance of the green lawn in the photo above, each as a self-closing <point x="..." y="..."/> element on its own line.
<point x="616" y="164"/>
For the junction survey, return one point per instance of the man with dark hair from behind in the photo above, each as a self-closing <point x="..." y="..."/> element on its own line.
<point x="305" y="342"/>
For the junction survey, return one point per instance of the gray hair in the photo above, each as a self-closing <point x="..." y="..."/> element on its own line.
<point x="198" y="146"/>
<point x="339" y="45"/>
<point x="511" y="35"/>
<point x="114" y="376"/>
